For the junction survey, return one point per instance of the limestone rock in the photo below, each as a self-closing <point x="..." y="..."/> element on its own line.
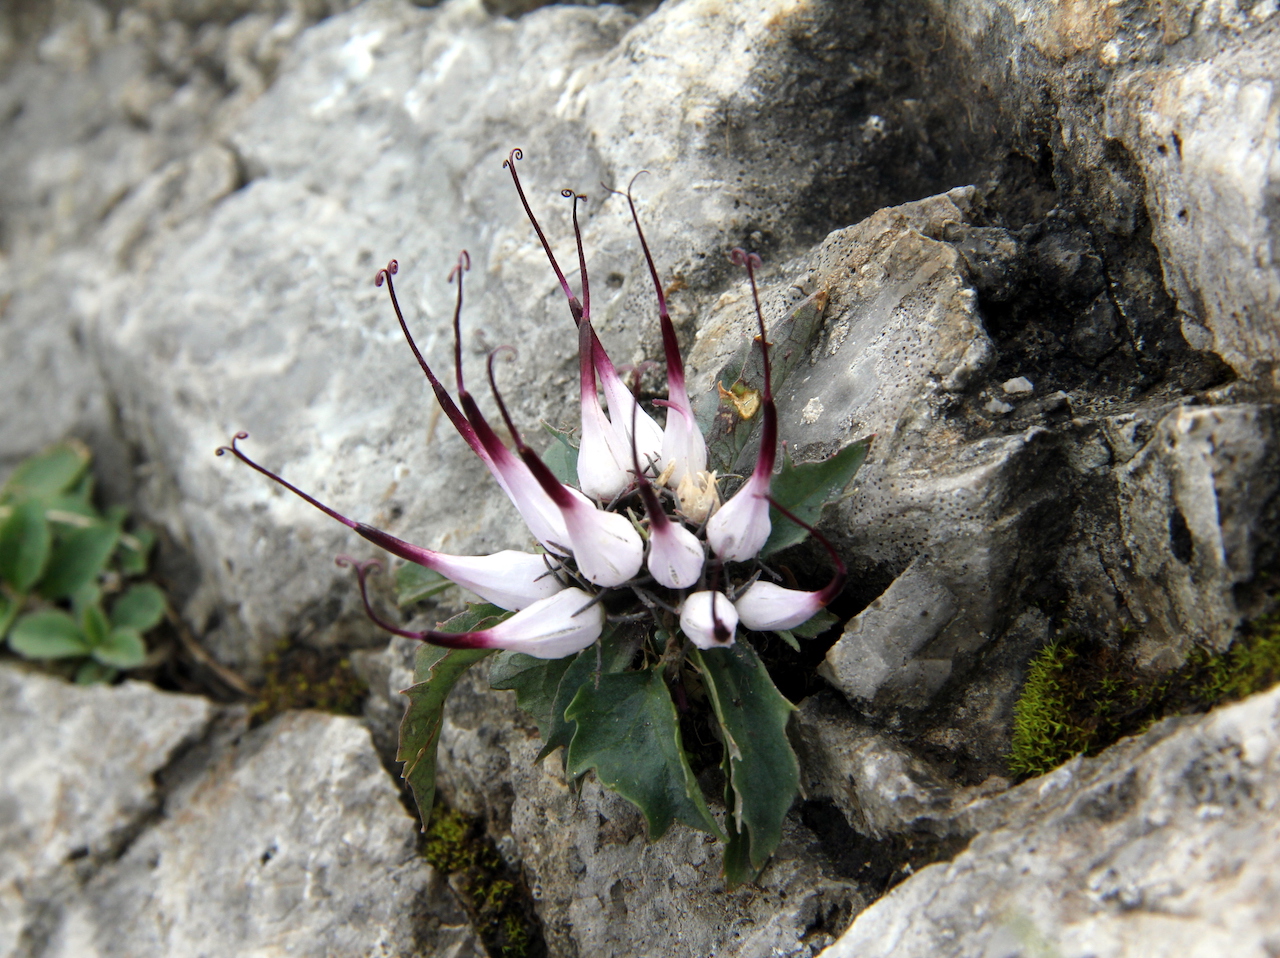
<point x="1165" y="844"/>
<point x="78" y="784"/>
<point x="292" y="838"/>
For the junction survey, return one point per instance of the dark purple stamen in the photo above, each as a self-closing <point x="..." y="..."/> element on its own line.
<point x="384" y="540"/>
<point x="509" y="163"/>
<point x="464" y="264"/>
<point x="832" y="589"/>
<point x="769" y="430"/>
<point x="442" y="396"/>
<point x="582" y="256"/>
<point x="670" y="345"/>
<point x="449" y="640"/>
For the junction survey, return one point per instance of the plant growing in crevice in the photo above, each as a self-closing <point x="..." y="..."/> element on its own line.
<point x="629" y="614"/>
<point x="1082" y="695"/>
<point x="70" y="589"/>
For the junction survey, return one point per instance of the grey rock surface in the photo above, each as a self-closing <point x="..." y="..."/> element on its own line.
<point x="78" y="783"/>
<point x="1166" y="844"/>
<point x="138" y="822"/>
<point x="194" y="198"/>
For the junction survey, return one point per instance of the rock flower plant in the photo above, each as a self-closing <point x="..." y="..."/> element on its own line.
<point x="630" y="618"/>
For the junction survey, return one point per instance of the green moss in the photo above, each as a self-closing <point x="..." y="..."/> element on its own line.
<point x="1081" y="695"/>
<point x="456" y="844"/>
<point x="299" y="677"/>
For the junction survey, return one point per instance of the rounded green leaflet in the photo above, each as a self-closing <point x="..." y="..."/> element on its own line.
<point x="25" y="543"/>
<point x="78" y="558"/>
<point x="48" y="635"/>
<point x="141" y="608"/>
<point x="122" y="649"/>
<point x="48" y="473"/>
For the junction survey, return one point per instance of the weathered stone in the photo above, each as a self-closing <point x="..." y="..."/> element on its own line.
<point x="1166" y="844"/>
<point x="1196" y="503"/>
<point x="78" y="783"/>
<point x="292" y="838"/>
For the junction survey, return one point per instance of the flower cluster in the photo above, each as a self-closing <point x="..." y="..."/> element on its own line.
<point x="643" y="533"/>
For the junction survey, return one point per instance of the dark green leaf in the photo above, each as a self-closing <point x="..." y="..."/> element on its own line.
<point x="547" y="696"/>
<point x="815" y="626"/>
<point x="787" y="636"/>
<point x="97" y="630"/>
<point x="629" y="733"/>
<point x="535" y="682"/>
<point x="92" y="673"/>
<point x="738" y="869"/>
<point x="435" y="672"/>
<point x="47" y="635"/>
<point x="77" y="559"/>
<point x="762" y="768"/>
<point x="134" y="549"/>
<point x="805" y="488"/>
<point x="88" y="594"/>
<point x="561" y="457"/>
<point x="25" y="542"/>
<point x="415" y="583"/>
<point x="727" y="433"/>
<point x="48" y="473"/>
<point x="123" y="649"/>
<point x="8" y="612"/>
<point x="141" y="608"/>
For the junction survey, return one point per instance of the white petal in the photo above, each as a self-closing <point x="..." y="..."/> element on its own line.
<point x="740" y="529"/>
<point x="511" y="580"/>
<point x="549" y="628"/>
<point x="602" y="459"/>
<point x="700" y="614"/>
<point x="605" y="545"/>
<point x="766" y="607"/>
<point x="675" y="556"/>
<point x="539" y="513"/>
<point x="683" y="448"/>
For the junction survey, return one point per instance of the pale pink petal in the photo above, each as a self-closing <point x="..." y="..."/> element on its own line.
<point x="709" y="620"/>
<point x="550" y="628"/>
<point x="606" y="547"/>
<point x="739" y="530"/>
<point x="675" y="555"/>
<point x="766" y="607"/>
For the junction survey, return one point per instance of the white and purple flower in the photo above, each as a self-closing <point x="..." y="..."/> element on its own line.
<point x="645" y="524"/>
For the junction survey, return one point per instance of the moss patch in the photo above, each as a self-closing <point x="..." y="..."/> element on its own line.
<point x="299" y="677"/>
<point x="1082" y="696"/>
<point x="456" y="845"/>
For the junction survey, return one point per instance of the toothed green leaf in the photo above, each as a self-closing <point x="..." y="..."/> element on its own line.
<point x="629" y="733"/>
<point x="805" y="488"/>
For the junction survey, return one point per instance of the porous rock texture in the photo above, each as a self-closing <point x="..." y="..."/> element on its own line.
<point x="1045" y="238"/>
<point x="138" y="822"/>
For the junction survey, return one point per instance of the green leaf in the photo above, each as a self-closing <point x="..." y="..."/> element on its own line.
<point x="545" y="690"/>
<point x="97" y="630"/>
<point x="141" y="608"/>
<point x="435" y="672"/>
<point x="535" y="682"/>
<point x="761" y="767"/>
<point x="135" y="547"/>
<point x="561" y="457"/>
<point x="94" y="673"/>
<point x="805" y="488"/>
<point x="25" y="543"/>
<point x="726" y="432"/>
<point x="629" y="733"/>
<point x="815" y="626"/>
<point x="88" y="594"/>
<point x="8" y="612"/>
<point x="77" y="559"/>
<point x="415" y="583"/>
<point x="787" y="636"/>
<point x="48" y="473"/>
<point x="122" y="649"/>
<point x="47" y="635"/>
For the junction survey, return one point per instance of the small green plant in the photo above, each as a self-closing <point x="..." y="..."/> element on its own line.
<point x="301" y="677"/>
<point x="1081" y="695"/>
<point x="68" y="572"/>
<point x="455" y="845"/>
